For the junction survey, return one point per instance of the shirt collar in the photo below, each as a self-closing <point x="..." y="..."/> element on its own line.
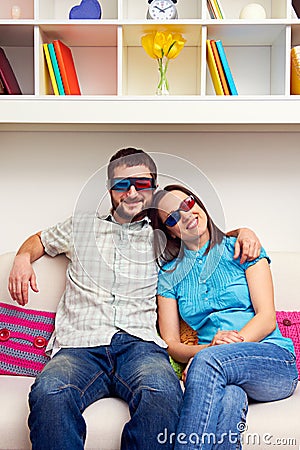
<point x="193" y="253"/>
<point x="110" y="218"/>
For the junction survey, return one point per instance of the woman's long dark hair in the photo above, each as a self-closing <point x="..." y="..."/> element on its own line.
<point x="172" y="248"/>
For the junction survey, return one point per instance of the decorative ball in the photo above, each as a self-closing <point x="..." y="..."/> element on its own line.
<point x="253" y="11"/>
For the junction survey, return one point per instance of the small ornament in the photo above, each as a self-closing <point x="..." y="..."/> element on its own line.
<point x="253" y="11"/>
<point x="88" y="9"/>
<point x="15" y="12"/>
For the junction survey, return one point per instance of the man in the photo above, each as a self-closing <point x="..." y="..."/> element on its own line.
<point x="105" y="341"/>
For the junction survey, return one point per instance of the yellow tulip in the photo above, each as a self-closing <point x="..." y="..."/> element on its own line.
<point x="159" y="44"/>
<point x="148" y="44"/>
<point x="176" y="47"/>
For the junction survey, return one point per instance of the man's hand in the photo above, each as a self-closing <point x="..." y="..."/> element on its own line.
<point x="247" y="245"/>
<point x="21" y="275"/>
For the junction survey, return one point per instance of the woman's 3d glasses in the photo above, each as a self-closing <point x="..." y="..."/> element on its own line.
<point x="123" y="184"/>
<point x="186" y="205"/>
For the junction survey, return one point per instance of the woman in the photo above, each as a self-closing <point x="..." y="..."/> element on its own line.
<point x="241" y="352"/>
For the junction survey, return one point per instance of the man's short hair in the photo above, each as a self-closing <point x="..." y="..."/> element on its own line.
<point x="131" y="157"/>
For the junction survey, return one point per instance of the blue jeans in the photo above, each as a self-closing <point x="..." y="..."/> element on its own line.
<point x="136" y="371"/>
<point x="219" y="382"/>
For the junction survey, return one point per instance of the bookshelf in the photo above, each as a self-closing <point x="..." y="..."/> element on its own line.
<point x="118" y="80"/>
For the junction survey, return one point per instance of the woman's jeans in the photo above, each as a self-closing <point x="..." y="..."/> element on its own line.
<point x="136" y="371"/>
<point x="220" y="380"/>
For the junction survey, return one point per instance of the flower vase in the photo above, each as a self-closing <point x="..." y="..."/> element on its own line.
<point x="163" y="84"/>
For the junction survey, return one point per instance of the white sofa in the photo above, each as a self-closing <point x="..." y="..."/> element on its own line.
<point x="269" y="424"/>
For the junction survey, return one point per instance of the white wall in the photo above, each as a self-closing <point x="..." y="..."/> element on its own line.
<point x="256" y="175"/>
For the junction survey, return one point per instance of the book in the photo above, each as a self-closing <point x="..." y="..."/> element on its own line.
<point x="50" y="69"/>
<point x="219" y="8"/>
<point x="213" y="69"/>
<point x="296" y="7"/>
<point x="295" y="70"/>
<point x="210" y="10"/>
<point x="2" y="88"/>
<point x="215" y="9"/>
<point x="8" y="78"/>
<point x="220" y="68"/>
<point x="56" y="69"/>
<point x="226" y="68"/>
<point x="67" y="68"/>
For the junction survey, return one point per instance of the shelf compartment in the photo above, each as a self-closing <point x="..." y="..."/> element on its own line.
<point x="137" y="10"/>
<point x="256" y="56"/>
<point x="27" y="9"/>
<point x="17" y="42"/>
<point x="278" y="9"/>
<point x="94" y="49"/>
<point x="140" y="71"/>
<point x="59" y="9"/>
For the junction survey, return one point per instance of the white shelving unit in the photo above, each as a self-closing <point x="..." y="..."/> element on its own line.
<point x="118" y="79"/>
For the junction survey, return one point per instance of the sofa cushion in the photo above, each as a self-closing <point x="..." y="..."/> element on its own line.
<point x="289" y="325"/>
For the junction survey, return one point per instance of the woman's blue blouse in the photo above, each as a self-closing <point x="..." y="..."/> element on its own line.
<point x="212" y="291"/>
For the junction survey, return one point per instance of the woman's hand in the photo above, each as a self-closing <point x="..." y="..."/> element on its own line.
<point x="184" y="373"/>
<point x="226" y="337"/>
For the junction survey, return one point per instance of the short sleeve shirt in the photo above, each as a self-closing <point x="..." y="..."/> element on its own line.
<point x="111" y="281"/>
<point x="212" y="291"/>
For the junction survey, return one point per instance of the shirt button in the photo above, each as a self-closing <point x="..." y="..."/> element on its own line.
<point x="287" y="322"/>
<point x="4" y="335"/>
<point x="40" y="342"/>
<point x="200" y="261"/>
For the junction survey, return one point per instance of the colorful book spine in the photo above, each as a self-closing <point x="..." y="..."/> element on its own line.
<point x="213" y="69"/>
<point x="8" y="79"/>
<point x="215" y="9"/>
<point x="226" y="68"/>
<point x="219" y="8"/>
<point x="67" y="68"/>
<point x="56" y="69"/>
<point x="50" y="69"/>
<point x="220" y="68"/>
<point x="295" y="70"/>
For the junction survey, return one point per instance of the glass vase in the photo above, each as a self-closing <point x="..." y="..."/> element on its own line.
<point x="163" y="84"/>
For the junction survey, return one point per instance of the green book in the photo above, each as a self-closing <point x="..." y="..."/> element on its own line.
<point x="56" y="69"/>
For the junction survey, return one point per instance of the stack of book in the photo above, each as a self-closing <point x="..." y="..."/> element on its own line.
<point x="219" y="68"/>
<point x="61" y="68"/>
<point x="8" y="81"/>
<point x="295" y="70"/>
<point x="215" y="9"/>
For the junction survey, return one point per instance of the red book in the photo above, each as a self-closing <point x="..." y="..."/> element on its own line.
<point x="7" y="75"/>
<point x="67" y="68"/>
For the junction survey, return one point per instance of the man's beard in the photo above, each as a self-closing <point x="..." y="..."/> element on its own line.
<point x="119" y="209"/>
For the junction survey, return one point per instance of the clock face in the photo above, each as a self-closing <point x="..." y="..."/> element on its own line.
<point x="162" y="10"/>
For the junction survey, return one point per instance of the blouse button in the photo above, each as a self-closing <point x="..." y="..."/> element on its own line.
<point x="287" y="322"/>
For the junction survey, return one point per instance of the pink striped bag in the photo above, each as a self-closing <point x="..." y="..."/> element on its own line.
<point x="24" y="335"/>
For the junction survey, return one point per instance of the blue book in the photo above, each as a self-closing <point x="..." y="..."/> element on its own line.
<point x="56" y="69"/>
<point x="226" y="68"/>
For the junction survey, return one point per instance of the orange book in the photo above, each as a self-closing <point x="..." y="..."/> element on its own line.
<point x="67" y="68"/>
<point x="220" y="68"/>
